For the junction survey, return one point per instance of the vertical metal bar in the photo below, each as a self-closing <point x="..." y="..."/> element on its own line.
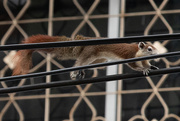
<point x="48" y="58"/>
<point x="120" y="71"/>
<point x="113" y="31"/>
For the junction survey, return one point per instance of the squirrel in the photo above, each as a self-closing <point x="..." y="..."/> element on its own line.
<point x="85" y="55"/>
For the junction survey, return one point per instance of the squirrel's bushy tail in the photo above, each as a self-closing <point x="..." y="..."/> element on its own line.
<point x="23" y="58"/>
<point x="23" y="62"/>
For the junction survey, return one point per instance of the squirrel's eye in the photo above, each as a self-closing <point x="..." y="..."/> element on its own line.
<point x="149" y="49"/>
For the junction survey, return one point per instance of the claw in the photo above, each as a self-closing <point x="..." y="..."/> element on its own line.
<point x="154" y="67"/>
<point x="81" y="74"/>
<point x="146" y="72"/>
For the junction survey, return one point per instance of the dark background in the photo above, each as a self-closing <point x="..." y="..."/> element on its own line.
<point x="60" y="107"/>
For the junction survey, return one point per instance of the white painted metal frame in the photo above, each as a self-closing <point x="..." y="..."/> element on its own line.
<point x="113" y="32"/>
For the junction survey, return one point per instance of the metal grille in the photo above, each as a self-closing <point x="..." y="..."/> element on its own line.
<point x="82" y="94"/>
<point x="155" y="13"/>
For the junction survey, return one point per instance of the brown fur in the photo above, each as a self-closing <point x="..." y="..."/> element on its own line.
<point x="24" y="62"/>
<point x="24" y="57"/>
<point x="83" y="55"/>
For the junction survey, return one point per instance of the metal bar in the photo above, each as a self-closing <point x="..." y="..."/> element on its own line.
<point x="90" y="42"/>
<point x="113" y="31"/>
<point x="53" y="72"/>
<point x="87" y="81"/>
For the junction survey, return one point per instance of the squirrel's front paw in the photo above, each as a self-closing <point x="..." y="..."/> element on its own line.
<point x="146" y="71"/>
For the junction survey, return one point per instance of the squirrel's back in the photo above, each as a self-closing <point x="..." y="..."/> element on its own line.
<point x="45" y="38"/>
<point x="23" y="58"/>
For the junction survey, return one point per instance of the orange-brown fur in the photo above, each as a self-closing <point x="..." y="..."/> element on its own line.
<point x="83" y="55"/>
<point x="23" y="58"/>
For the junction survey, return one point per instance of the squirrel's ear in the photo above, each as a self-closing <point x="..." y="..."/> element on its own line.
<point x="141" y="45"/>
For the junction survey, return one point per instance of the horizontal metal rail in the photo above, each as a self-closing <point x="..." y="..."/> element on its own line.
<point x="58" y="71"/>
<point x="87" y="81"/>
<point x="90" y="42"/>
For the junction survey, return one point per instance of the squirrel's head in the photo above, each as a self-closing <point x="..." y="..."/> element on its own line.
<point x="146" y="49"/>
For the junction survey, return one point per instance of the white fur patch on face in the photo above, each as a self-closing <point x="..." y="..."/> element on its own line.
<point x="161" y="49"/>
<point x="139" y="53"/>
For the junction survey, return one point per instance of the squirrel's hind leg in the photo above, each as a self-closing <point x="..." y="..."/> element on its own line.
<point x="83" y="59"/>
<point x="80" y="74"/>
